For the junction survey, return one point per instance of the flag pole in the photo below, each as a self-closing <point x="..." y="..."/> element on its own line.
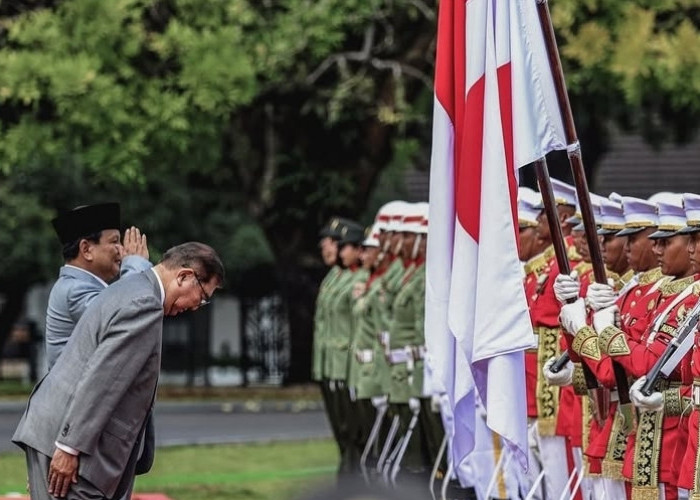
<point x="550" y="208"/>
<point x="576" y="161"/>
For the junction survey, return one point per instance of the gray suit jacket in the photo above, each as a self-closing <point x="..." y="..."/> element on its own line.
<point x="71" y="294"/>
<point x="97" y="396"/>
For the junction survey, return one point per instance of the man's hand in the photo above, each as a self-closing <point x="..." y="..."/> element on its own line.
<point x="135" y="243"/>
<point x="606" y="317"/>
<point x="654" y="402"/>
<point x="566" y="287"/>
<point x="600" y="295"/>
<point x="63" y="470"/>
<point x="573" y="316"/>
<point x="563" y="377"/>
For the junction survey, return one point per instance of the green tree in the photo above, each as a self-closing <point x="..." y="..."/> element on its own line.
<point x="247" y="123"/>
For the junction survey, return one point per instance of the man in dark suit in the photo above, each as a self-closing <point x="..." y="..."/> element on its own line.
<point x="84" y="420"/>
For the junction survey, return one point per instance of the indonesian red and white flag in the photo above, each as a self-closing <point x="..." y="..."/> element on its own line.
<point x="495" y="110"/>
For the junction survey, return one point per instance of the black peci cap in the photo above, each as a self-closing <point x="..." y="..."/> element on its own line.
<point x="87" y="219"/>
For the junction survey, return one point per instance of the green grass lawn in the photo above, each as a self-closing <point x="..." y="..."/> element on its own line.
<point x="279" y="471"/>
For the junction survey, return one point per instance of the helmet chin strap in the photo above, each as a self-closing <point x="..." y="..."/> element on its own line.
<point x="416" y="245"/>
<point x="399" y="245"/>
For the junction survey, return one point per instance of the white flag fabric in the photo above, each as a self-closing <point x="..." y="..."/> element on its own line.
<point x="495" y="110"/>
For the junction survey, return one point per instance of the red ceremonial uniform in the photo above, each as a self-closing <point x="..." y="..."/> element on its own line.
<point x="544" y="313"/>
<point x="607" y="444"/>
<point x="651" y="453"/>
<point x="535" y="270"/>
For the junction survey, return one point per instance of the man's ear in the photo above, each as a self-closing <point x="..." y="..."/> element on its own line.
<point x="85" y="250"/>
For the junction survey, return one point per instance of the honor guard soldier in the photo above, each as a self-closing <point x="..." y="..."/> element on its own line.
<point x="328" y="245"/>
<point x="544" y="313"/>
<point x="340" y="331"/>
<point x="368" y="365"/>
<point x="689" y="474"/>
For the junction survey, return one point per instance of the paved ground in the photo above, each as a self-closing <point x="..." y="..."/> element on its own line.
<point x="209" y="423"/>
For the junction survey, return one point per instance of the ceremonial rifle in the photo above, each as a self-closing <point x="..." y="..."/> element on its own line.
<point x="681" y="344"/>
<point x="576" y="162"/>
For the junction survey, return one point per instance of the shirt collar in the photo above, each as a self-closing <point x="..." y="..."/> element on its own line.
<point x="160" y="285"/>
<point x="102" y="282"/>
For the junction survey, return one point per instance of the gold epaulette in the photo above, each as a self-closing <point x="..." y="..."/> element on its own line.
<point x="537" y="264"/>
<point x="616" y="279"/>
<point x="583" y="267"/>
<point x="627" y="277"/>
<point x="549" y="252"/>
<point x="651" y="276"/>
<point x="674" y="287"/>
<point x="572" y="254"/>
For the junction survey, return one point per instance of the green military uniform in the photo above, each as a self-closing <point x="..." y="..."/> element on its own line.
<point x="390" y="283"/>
<point x="320" y="325"/>
<point x="340" y="321"/>
<point x="339" y="327"/>
<point x="407" y="332"/>
<point x="368" y="365"/>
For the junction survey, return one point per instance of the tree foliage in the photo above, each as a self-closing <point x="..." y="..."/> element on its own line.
<point x="246" y="123"/>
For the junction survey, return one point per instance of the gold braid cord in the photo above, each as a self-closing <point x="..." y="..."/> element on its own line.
<point x="613" y="342"/>
<point x="586" y="343"/>
<point x="615" y="453"/>
<point x="696" y="481"/>
<point x="547" y="395"/>
<point x="587" y="421"/>
<point x="645" y="476"/>
<point x="579" y="381"/>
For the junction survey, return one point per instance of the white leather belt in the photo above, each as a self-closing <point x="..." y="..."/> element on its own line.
<point x="364" y="356"/>
<point x="419" y="352"/>
<point x="696" y="395"/>
<point x="397" y="356"/>
<point x="614" y="396"/>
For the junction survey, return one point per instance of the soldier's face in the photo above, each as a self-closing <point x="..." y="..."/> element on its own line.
<point x="694" y="251"/>
<point x="614" y="255"/>
<point x="350" y="255"/>
<point x="105" y="257"/>
<point x="369" y="257"/>
<point x="672" y="255"/>
<point x="329" y="250"/>
<point x="639" y="250"/>
<point x="409" y="240"/>
<point x="527" y="237"/>
<point x="581" y="244"/>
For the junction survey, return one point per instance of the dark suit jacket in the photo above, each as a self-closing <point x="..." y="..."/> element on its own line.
<point x="99" y="392"/>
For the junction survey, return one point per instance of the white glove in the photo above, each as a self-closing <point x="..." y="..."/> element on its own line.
<point x="573" y="316"/>
<point x="435" y="403"/>
<point x="600" y="295"/>
<point x="605" y="318"/>
<point x="380" y="401"/>
<point x="414" y="405"/>
<point x="655" y="402"/>
<point x="564" y="377"/>
<point x="566" y="287"/>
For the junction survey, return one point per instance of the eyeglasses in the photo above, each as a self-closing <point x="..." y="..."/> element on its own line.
<point x="207" y="298"/>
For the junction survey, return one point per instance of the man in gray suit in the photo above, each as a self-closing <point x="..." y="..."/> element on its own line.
<point x="84" y="420"/>
<point x="93" y="254"/>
